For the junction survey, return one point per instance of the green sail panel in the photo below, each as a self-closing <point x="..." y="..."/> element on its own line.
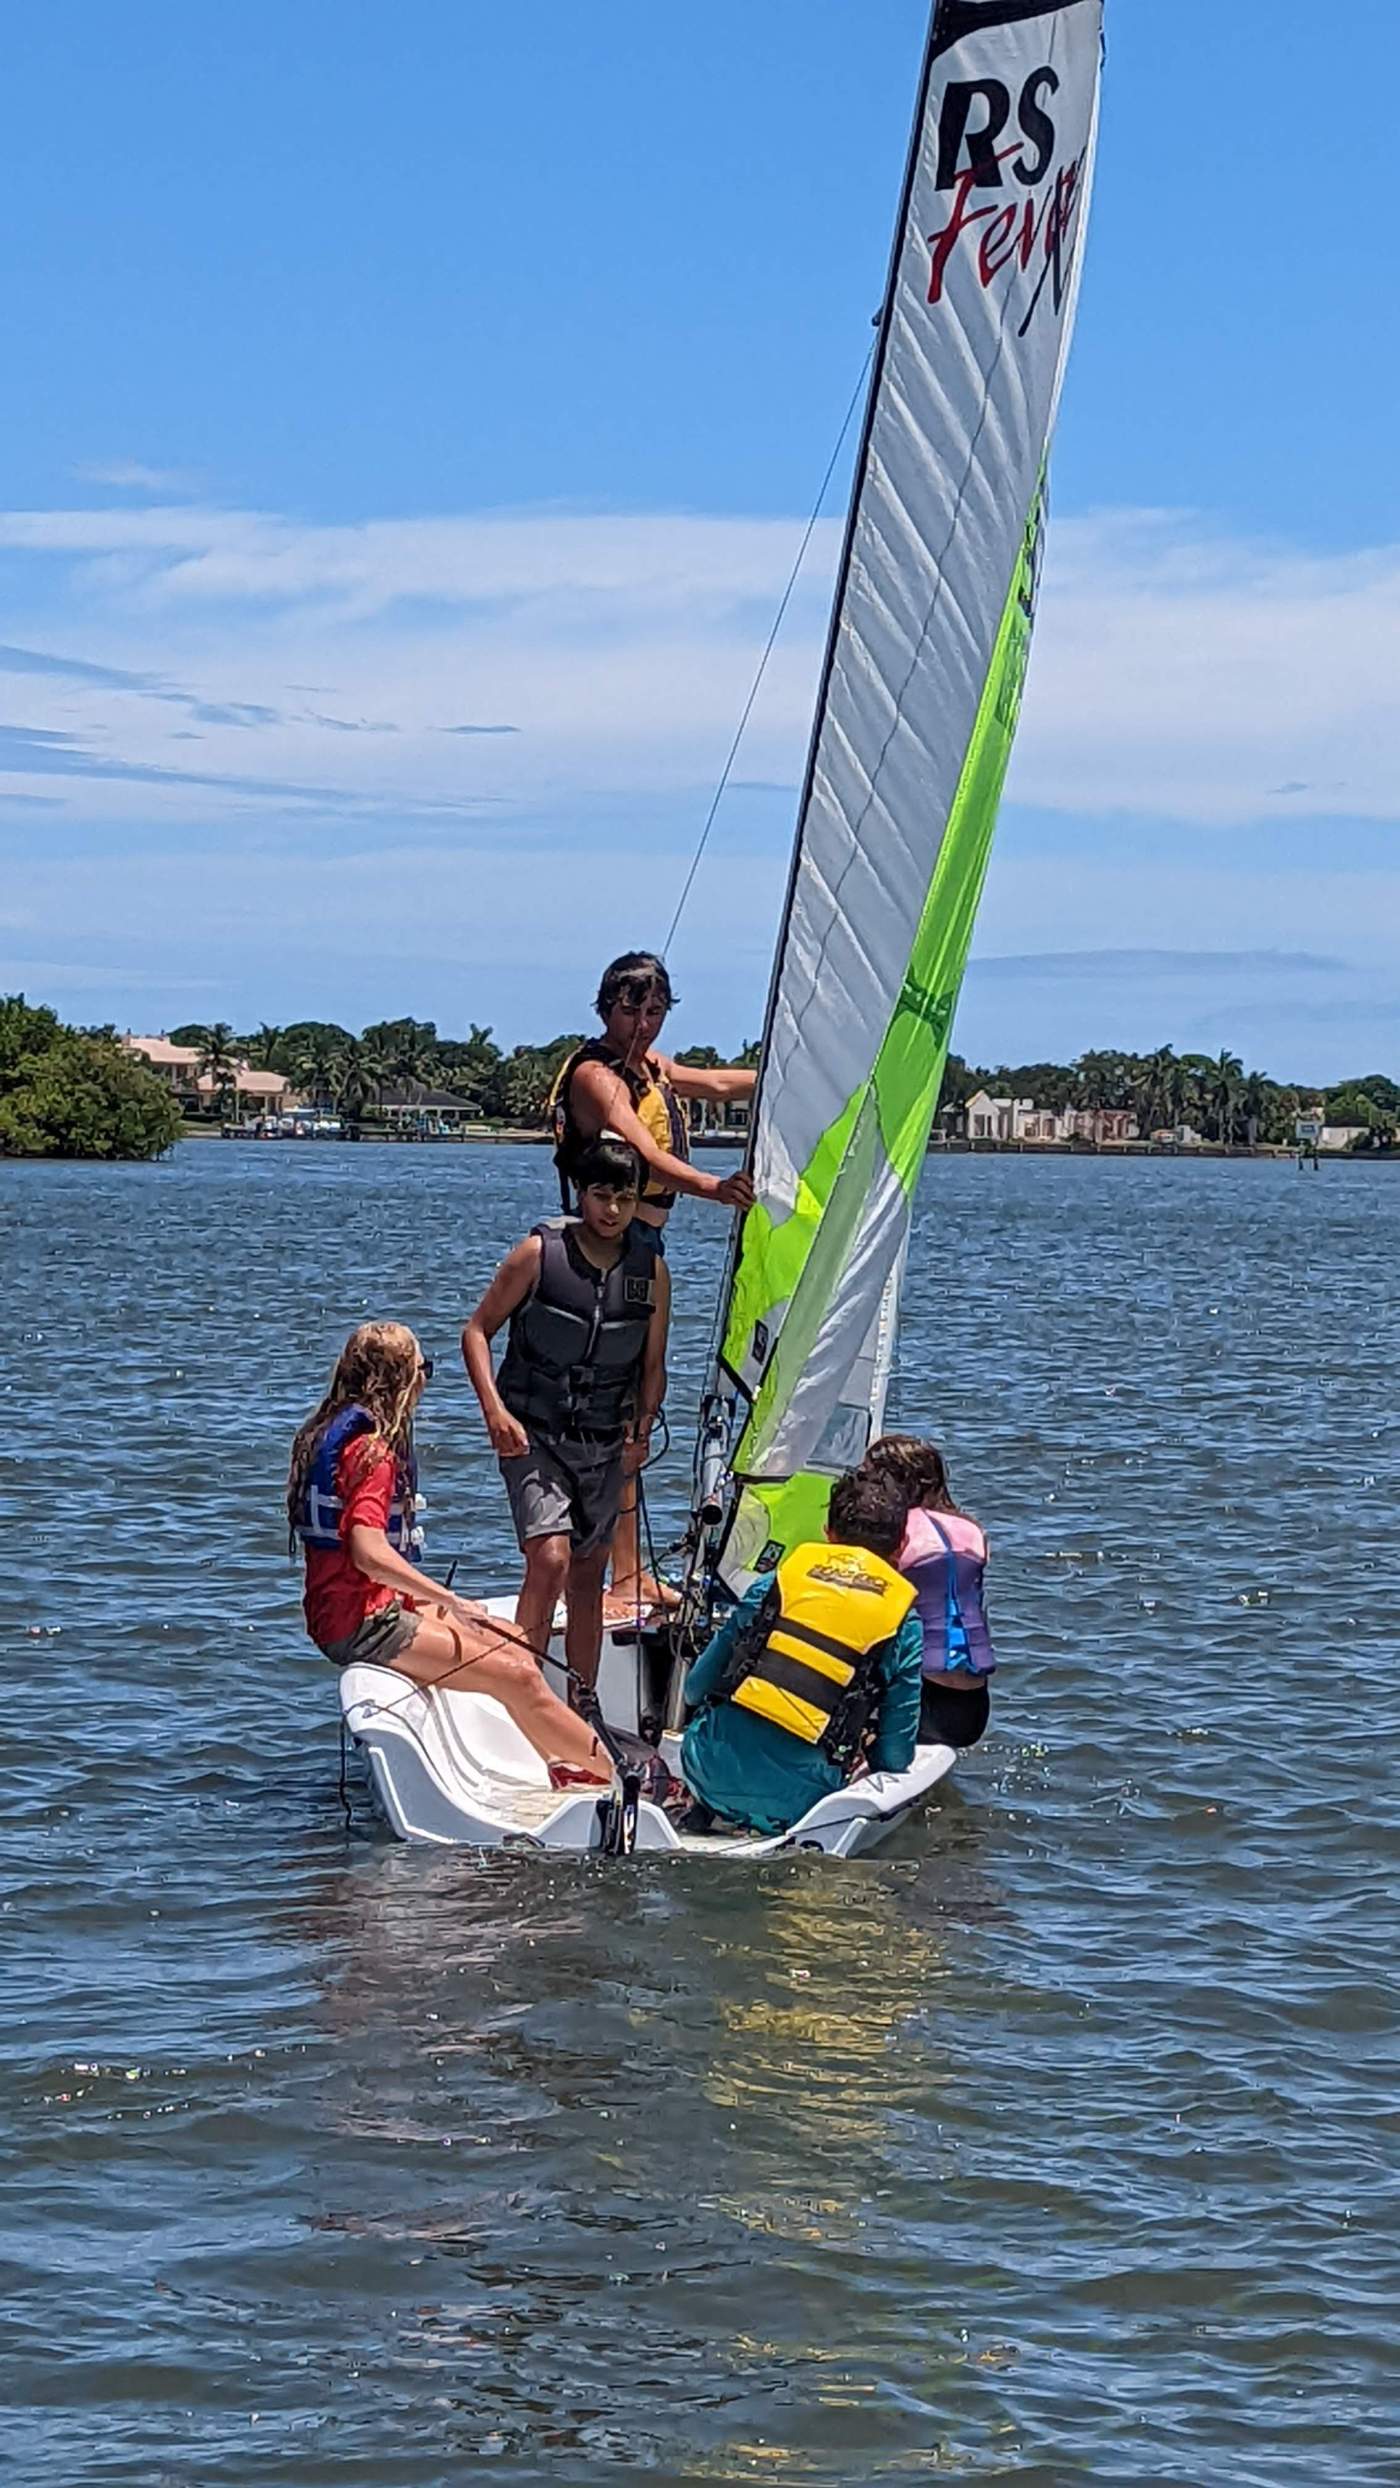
<point x="913" y="731"/>
<point x="795" y="1267"/>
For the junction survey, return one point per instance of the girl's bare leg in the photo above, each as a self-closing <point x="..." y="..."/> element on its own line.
<point x="485" y="1658"/>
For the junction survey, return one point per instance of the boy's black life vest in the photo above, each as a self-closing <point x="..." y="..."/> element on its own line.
<point x="654" y="1102"/>
<point x="807" y="1663"/>
<point x="574" y="1360"/>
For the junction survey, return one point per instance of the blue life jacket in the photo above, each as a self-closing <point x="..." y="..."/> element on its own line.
<point x="952" y="1610"/>
<point x="319" y="1521"/>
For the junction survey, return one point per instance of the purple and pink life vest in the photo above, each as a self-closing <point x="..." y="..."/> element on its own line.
<point x="945" y="1556"/>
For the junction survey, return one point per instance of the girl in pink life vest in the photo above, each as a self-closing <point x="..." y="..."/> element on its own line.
<point x="944" y="1554"/>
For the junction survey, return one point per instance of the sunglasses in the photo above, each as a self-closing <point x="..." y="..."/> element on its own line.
<point x="425" y="1367"/>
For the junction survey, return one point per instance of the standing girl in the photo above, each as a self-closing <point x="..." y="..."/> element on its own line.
<point x="945" y="1556"/>
<point x="351" y="1496"/>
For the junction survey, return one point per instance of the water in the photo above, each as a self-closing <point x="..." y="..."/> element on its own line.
<point x="1058" y="2144"/>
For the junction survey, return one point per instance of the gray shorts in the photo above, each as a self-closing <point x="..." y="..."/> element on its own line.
<point x="565" y="1486"/>
<point x="382" y="1638"/>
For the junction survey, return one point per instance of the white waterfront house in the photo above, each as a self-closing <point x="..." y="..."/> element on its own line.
<point x="1009" y="1120"/>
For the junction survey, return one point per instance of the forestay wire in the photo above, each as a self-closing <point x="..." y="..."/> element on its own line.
<point x="698" y="858"/>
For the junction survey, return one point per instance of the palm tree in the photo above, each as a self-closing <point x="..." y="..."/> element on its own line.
<point x="316" y="1067"/>
<point x="353" y="1080"/>
<point x="1190" y="1085"/>
<point x="1153" y="1090"/>
<point x="1101" y="1080"/>
<point x="264" y="1049"/>
<point x="375" y="1065"/>
<point x="1259" y="1103"/>
<point x="1224" y="1087"/>
<point x="218" y="1063"/>
<point x="412" y="1052"/>
<point x="466" y="1064"/>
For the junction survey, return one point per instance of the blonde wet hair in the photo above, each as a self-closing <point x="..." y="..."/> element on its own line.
<point x="379" y="1369"/>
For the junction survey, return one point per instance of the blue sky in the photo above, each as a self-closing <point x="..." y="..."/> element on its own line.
<point x="411" y="416"/>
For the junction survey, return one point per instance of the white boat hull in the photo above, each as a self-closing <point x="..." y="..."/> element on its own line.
<point x="451" y="1768"/>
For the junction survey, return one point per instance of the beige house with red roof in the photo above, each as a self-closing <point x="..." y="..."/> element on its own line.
<point x="257" y="1092"/>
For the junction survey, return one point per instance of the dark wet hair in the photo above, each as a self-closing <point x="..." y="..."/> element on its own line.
<point x="641" y="969"/>
<point x="917" y="1468"/>
<point x="609" y="1162"/>
<point x="870" y="1511"/>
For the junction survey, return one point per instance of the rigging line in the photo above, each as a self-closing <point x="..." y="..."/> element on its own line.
<point x="757" y="684"/>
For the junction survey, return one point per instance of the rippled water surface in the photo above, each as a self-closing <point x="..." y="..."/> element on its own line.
<point x="1058" y="2144"/>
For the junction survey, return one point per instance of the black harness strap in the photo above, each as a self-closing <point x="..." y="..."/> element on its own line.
<point x="827" y="1643"/>
<point x="794" y="1676"/>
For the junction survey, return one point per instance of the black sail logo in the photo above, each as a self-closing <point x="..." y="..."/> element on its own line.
<point x="1011" y="207"/>
<point x="959" y="18"/>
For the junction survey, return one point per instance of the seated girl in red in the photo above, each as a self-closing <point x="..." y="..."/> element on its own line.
<point x="945" y="1556"/>
<point x="351" y="1499"/>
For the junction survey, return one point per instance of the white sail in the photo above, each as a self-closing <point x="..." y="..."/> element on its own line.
<point x="915" y="717"/>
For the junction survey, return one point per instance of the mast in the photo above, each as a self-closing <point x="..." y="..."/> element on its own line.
<point x="916" y="709"/>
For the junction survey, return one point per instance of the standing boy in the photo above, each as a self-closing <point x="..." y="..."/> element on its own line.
<point x="620" y="1084"/>
<point x="580" y="1386"/>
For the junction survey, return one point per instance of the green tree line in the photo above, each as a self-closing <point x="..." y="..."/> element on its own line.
<point x="74" y="1093"/>
<point x="333" y="1066"/>
<point x="1164" y="1090"/>
<point x="1212" y="1094"/>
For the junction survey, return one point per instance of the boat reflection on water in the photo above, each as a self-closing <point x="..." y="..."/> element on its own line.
<point x="622" y="2138"/>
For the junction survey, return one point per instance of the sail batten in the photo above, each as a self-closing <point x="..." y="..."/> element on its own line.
<point x="917" y="707"/>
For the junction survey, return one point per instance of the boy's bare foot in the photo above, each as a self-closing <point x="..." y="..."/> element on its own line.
<point x="624" y="1598"/>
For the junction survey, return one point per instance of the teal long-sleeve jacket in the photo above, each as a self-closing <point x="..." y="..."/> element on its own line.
<point x="755" y="1774"/>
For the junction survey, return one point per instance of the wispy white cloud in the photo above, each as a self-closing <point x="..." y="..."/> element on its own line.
<point x="208" y="555"/>
<point x="1185" y="674"/>
<point x="573" y="681"/>
<point x="130" y="475"/>
<point x="1179" y="674"/>
<point x="44" y="978"/>
<point x="1109" y="966"/>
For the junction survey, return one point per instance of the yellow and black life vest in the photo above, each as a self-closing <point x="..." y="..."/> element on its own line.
<point x="806" y="1664"/>
<point x="654" y="1103"/>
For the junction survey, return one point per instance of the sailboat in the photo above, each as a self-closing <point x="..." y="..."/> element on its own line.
<point x="916" y="711"/>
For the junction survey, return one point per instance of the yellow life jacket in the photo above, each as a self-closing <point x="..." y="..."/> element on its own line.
<point x="656" y="1111"/>
<point x="654" y="1103"/>
<point x="806" y="1665"/>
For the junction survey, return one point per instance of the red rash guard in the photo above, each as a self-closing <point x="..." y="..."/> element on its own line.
<point x="338" y="1595"/>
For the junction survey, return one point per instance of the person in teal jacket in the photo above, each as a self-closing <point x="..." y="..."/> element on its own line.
<point x="760" y="1753"/>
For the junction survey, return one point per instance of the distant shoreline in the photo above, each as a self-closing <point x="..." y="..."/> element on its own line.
<point x="506" y="1137"/>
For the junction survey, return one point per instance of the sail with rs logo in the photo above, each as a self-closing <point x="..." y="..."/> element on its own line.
<point x="917" y="709"/>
